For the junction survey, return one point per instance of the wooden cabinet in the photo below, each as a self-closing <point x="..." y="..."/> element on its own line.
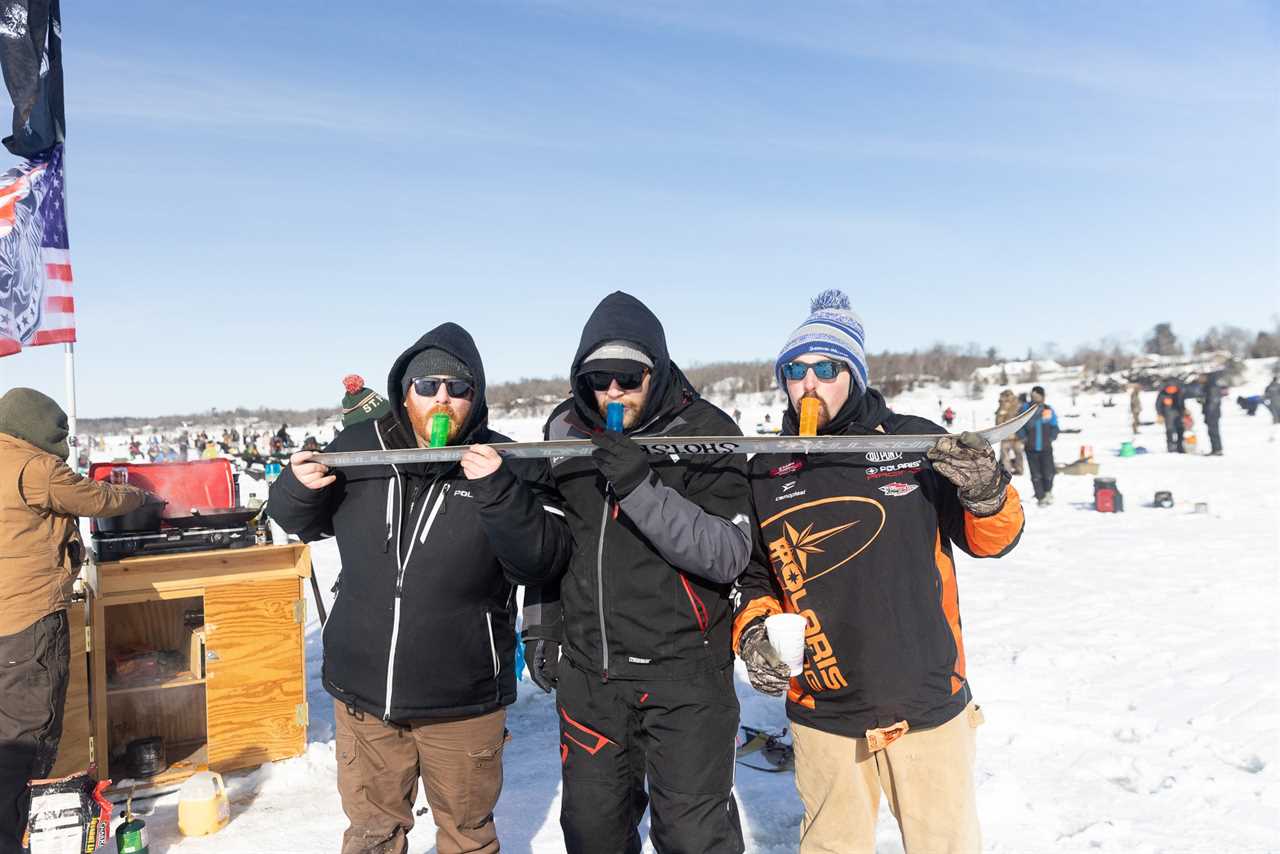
<point x="204" y="650"/>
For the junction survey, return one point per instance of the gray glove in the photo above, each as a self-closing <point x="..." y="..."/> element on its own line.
<point x="766" y="671"/>
<point x="969" y="462"/>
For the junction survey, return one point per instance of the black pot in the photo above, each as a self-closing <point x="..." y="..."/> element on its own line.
<point x="145" y="756"/>
<point x="145" y="519"/>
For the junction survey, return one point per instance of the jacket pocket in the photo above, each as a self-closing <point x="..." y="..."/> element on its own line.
<point x="484" y="784"/>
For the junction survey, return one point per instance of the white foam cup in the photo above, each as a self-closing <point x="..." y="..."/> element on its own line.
<point x="786" y="636"/>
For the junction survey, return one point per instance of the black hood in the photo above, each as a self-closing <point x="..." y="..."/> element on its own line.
<point x="457" y="342"/>
<point x="622" y="317"/>
<point x="861" y="413"/>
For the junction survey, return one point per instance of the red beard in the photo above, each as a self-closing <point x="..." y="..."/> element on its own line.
<point x="421" y="421"/>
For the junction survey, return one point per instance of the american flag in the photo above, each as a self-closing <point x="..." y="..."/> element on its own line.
<point x="36" y="306"/>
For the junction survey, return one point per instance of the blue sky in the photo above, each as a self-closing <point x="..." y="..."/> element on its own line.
<point x="267" y="196"/>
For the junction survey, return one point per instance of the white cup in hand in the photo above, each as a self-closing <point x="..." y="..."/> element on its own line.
<point x="786" y="636"/>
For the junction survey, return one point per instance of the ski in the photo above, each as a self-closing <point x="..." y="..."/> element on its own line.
<point x="663" y="446"/>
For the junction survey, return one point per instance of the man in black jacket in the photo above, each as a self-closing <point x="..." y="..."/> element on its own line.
<point x="1211" y="405"/>
<point x="861" y="545"/>
<point x="418" y="648"/>
<point x="645" y="682"/>
<point x="1171" y="406"/>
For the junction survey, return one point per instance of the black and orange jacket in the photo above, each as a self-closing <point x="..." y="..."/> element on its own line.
<point x="861" y="544"/>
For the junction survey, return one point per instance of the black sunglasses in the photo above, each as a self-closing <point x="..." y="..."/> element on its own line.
<point x="601" y="380"/>
<point x="428" y="386"/>
<point x="826" y="370"/>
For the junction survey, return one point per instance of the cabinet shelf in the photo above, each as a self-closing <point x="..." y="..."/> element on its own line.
<point x="158" y="683"/>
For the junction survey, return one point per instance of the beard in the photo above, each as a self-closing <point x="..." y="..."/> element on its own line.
<point x="824" y="417"/>
<point x="421" y="420"/>
<point x="630" y="411"/>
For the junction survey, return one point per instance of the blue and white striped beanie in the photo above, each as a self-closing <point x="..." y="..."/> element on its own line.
<point x="831" y="329"/>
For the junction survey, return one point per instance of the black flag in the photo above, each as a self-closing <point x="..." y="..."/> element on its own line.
<point x="31" y="57"/>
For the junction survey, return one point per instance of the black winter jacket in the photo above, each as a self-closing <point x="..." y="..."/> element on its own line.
<point x="423" y="624"/>
<point x="862" y="545"/>
<point x="647" y="593"/>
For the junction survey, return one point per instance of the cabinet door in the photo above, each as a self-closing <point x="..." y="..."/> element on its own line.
<point x="256" y="675"/>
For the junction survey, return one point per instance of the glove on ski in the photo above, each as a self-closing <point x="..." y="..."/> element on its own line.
<point x="543" y="659"/>
<point x="766" y="671"/>
<point x="622" y="462"/>
<point x="969" y="462"/>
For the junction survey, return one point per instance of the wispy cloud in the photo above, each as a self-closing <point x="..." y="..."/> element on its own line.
<point x="986" y="39"/>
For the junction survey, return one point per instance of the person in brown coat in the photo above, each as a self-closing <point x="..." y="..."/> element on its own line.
<point x="40" y="555"/>
<point x="1011" y="453"/>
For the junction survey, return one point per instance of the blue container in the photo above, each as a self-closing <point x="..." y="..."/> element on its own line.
<point x="613" y="417"/>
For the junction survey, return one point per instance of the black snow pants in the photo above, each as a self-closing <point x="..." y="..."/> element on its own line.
<point x="1040" y="467"/>
<point x="34" y="667"/>
<point x="1215" y="438"/>
<point x="678" y="734"/>
<point x="1173" y="429"/>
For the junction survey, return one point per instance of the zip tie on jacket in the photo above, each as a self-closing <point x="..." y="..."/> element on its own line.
<point x="879" y="739"/>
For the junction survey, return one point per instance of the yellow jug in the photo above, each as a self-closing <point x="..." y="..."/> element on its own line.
<point x="202" y="804"/>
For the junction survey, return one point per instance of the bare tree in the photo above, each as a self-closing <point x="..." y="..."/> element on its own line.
<point x="1162" y="341"/>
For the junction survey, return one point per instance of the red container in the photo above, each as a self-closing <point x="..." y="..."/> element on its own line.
<point x="203" y="483"/>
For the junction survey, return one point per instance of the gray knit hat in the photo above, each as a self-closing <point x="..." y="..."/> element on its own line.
<point x="35" y="417"/>
<point x="434" y="362"/>
<point x="617" y="351"/>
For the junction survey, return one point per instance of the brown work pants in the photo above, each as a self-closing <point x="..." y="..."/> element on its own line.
<point x="459" y="761"/>
<point x="927" y="776"/>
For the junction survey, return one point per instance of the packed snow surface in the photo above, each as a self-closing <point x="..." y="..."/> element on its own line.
<point x="1127" y="665"/>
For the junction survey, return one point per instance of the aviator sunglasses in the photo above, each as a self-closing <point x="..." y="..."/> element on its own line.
<point x="826" y="370"/>
<point x="601" y="380"/>
<point x="428" y="386"/>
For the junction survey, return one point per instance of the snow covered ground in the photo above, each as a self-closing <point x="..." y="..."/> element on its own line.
<point x="1127" y="664"/>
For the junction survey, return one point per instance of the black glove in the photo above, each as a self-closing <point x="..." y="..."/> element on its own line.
<point x="969" y="462"/>
<point x="542" y="657"/>
<point x="766" y="671"/>
<point x="622" y="462"/>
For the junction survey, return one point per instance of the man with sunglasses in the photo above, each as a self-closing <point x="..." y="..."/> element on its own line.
<point x="645" y="681"/>
<point x="861" y="545"/>
<point x="418" y="647"/>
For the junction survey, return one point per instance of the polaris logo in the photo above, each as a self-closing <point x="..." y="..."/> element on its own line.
<point x="788" y="485"/>
<point x="883" y="456"/>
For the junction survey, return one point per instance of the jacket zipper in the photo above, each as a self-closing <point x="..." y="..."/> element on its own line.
<point x="493" y="652"/>
<point x="403" y="565"/>
<point x="604" y="638"/>
<point x="695" y="601"/>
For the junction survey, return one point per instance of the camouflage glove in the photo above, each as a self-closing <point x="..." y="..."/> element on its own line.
<point x="969" y="462"/>
<point x="766" y="671"/>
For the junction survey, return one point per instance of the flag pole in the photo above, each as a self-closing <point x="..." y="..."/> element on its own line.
<point x="70" y="367"/>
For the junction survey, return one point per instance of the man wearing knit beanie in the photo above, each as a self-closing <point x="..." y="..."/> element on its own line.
<point x="41" y="499"/>
<point x="883" y="702"/>
<point x="419" y="644"/>
<point x="360" y="403"/>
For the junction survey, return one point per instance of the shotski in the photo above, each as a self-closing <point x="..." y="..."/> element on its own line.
<point x="663" y="446"/>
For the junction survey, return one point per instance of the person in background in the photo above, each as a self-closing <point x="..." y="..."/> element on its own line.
<point x="1011" y="452"/>
<point x="41" y="499"/>
<point x="1135" y="405"/>
<point x="360" y="403"/>
<point x="1211" y="406"/>
<point x="1037" y="437"/>
<point x="1171" y="406"/>
<point x="1272" y="397"/>
<point x="949" y="416"/>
